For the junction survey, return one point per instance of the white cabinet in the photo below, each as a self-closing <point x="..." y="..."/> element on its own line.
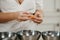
<point x="51" y="16"/>
<point x="57" y="4"/>
<point x="57" y="7"/>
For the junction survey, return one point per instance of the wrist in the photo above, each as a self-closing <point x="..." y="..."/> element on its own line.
<point x="18" y="15"/>
<point x="15" y="15"/>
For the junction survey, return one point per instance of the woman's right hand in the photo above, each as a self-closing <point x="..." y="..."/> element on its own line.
<point x="23" y="16"/>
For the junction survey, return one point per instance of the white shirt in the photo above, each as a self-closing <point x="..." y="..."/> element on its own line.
<point x="13" y="6"/>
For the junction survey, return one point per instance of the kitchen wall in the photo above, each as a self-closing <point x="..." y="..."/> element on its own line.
<point x="51" y="13"/>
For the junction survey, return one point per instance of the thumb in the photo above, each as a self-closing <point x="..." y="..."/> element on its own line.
<point x="37" y="15"/>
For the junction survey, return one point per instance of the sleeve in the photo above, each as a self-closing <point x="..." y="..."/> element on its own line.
<point x="39" y="4"/>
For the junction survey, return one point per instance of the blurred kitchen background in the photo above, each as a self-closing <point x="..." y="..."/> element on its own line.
<point x="51" y="13"/>
<point x="51" y="18"/>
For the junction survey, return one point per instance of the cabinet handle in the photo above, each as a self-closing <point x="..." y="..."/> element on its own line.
<point x="58" y="10"/>
<point x="58" y="25"/>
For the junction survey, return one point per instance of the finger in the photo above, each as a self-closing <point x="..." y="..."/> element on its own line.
<point x="27" y="13"/>
<point x="23" y="18"/>
<point x="38" y="21"/>
<point x="37" y="18"/>
<point x="38" y="15"/>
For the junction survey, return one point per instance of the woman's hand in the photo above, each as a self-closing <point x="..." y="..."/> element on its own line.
<point x="37" y="17"/>
<point x="23" y="16"/>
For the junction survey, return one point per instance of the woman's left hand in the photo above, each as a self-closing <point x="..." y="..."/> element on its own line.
<point x="38" y="17"/>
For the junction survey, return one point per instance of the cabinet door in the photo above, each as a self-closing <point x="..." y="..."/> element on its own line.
<point x="58" y="4"/>
<point x="51" y="17"/>
<point x="57" y="7"/>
